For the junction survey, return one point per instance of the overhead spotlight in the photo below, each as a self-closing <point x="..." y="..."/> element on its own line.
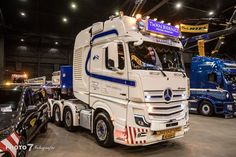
<point x="117" y="13"/>
<point x="178" y="5"/>
<point x="73" y="5"/>
<point x="211" y="13"/>
<point x="169" y="23"/>
<point x="162" y="21"/>
<point x="56" y="43"/>
<point x="23" y="14"/>
<point x="64" y="19"/>
<point x="22" y="40"/>
<point x="222" y="42"/>
<point x="155" y="19"/>
<point x="138" y="16"/>
<point x="147" y="17"/>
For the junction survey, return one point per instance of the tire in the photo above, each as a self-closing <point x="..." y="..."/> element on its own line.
<point x="57" y="115"/>
<point x="44" y="128"/>
<point x="23" y="145"/>
<point x="206" y="108"/>
<point x="104" y="130"/>
<point x="68" y="119"/>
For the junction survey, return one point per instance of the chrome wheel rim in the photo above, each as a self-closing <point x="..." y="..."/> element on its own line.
<point x="68" y="118"/>
<point x="101" y="130"/>
<point x="205" y="109"/>
<point x="57" y="114"/>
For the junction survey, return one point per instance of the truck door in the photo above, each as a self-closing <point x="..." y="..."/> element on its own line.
<point x="212" y="80"/>
<point x="108" y="62"/>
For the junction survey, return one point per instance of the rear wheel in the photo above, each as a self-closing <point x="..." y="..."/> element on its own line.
<point x="103" y="129"/>
<point x="57" y="115"/>
<point x="68" y="119"/>
<point x="22" y="147"/>
<point x="206" y="108"/>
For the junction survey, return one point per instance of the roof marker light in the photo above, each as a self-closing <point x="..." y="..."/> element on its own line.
<point x="138" y="16"/>
<point x="178" y="5"/>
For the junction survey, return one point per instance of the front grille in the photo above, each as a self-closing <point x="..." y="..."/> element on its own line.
<point x="165" y="111"/>
<point x="158" y="95"/>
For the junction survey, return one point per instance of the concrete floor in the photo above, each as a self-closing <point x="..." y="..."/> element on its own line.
<point x="208" y="137"/>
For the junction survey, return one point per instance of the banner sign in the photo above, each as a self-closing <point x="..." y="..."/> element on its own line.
<point x="194" y="28"/>
<point x="161" y="28"/>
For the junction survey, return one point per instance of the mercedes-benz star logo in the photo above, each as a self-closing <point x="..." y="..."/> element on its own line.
<point x="168" y="94"/>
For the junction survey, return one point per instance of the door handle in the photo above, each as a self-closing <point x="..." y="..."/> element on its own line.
<point x="123" y="94"/>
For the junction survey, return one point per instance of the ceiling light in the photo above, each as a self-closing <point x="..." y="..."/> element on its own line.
<point x="138" y="16"/>
<point x="23" y="14"/>
<point x="117" y="13"/>
<point x="162" y="21"/>
<point x="211" y="13"/>
<point x="73" y="5"/>
<point x="155" y="19"/>
<point x="64" y="19"/>
<point x="169" y="23"/>
<point x="147" y="17"/>
<point x="56" y="43"/>
<point x="222" y="42"/>
<point x="22" y="40"/>
<point x="178" y="5"/>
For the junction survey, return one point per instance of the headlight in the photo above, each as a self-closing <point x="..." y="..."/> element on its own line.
<point x="140" y="120"/>
<point x="184" y="95"/>
<point x="230" y="107"/>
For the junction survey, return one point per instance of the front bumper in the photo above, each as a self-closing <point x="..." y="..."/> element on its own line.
<point x="144" y="136"/>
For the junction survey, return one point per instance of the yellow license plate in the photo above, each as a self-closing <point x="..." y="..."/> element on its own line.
<point x="169" y="133"/>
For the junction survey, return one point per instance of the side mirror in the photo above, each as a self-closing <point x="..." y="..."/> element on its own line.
<point x="138" y="43"/>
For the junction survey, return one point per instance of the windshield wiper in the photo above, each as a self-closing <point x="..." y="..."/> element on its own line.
<point x="159" y="68"/>
<point x="184" y="75"/>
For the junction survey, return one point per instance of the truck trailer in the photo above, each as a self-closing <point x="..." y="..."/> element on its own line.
<point x="213" y="86"/>
<point x="129" y="83"/>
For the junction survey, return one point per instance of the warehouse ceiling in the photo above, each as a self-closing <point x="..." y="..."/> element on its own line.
<point x="49" y="21"/>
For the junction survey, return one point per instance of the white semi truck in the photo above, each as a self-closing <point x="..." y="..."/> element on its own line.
<point x="129" y="83"/>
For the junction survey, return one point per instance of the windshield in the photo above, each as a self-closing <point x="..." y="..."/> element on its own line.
<point x="230" y="78"/>
<point x="153" y="56"/>
<point x="9" y="100"/>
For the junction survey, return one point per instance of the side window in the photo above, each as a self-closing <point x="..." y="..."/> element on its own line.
<point x="212" y="77"/>
<point x="121" y="58"/>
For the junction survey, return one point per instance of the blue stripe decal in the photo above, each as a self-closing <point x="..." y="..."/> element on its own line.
<point x="113" y="31"/>
<point x="102" y="77"/>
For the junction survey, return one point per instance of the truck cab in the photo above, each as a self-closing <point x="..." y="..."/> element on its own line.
<point x="213" y="88"/>
<point x="129" y="83"/>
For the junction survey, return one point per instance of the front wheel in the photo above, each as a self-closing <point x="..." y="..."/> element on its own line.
<point x="68" y="119"/>
<point x="206" y="108"/>
<point x="103" y="129"/>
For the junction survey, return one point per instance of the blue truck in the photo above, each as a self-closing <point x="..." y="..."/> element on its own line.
<point x="212" y="86"/>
